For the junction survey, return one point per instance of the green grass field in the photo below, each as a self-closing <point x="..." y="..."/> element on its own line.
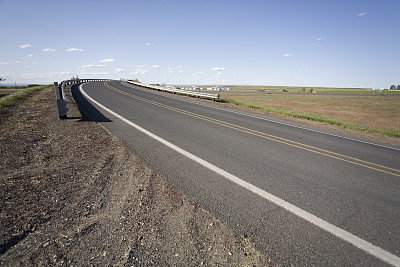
<point x="8" y="100"/>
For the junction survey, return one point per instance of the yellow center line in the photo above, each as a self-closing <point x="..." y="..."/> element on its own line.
<point x="313" y="149"/>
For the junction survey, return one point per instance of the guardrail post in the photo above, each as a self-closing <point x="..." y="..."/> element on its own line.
<point x="62" y="103"/>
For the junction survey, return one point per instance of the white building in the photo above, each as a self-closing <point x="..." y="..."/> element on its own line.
<point x="218" y="88"/>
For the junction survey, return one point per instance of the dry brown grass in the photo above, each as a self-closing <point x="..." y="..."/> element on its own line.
<point x="380" y="112"/>
<point x="247" y="88"/>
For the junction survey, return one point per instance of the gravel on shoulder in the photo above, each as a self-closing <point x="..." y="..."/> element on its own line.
<point x="74" y="195"/>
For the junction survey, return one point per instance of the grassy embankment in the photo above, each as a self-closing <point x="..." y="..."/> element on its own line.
<point x="8" y="100"/>
<point x="379" y="115"/>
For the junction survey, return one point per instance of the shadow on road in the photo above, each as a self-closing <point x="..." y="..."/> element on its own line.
<point x="87" y="110"/>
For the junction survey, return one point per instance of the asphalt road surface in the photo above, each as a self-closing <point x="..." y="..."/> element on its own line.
<point x="302" y="196"/>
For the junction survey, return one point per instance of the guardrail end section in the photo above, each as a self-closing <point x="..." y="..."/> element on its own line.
<point x="62" y="108"/>
<point x="62" y="103"/>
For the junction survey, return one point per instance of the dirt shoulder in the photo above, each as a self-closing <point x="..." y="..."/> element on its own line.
<point x="74" y="195"/>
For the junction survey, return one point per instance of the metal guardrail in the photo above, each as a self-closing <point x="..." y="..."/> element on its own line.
<point x="62" y="103"/>
<point x="176" y="91"/>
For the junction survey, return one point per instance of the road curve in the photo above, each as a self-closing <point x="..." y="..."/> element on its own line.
<point x="303" y="197"/>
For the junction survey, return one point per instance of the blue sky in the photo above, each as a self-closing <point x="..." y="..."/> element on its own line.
<point x="338" y="43"/>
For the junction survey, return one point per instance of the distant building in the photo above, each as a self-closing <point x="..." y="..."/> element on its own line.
<point x="218" y="88"/>
<point x="379" y="89"/>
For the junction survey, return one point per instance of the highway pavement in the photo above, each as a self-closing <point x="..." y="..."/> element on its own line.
<point x="304" y="197"/>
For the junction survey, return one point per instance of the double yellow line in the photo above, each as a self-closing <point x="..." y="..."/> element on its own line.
<point x="327" y="153"/>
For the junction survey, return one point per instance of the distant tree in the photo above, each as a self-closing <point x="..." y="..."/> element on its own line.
<point x="398" y="87"/>
<point x="392" y="87"/>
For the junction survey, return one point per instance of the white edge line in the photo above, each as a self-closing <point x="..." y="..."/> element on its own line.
<point x="274" y="121"/>
<point x="336" y="231"/>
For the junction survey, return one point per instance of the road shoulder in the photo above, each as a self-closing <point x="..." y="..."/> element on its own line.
<point x="73" y="194"/>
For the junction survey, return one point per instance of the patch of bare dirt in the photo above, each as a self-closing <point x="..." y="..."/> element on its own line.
<point x="73" y="195"/>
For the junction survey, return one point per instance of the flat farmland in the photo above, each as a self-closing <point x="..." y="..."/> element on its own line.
<point x="296" y="89"/>
<point x="291" y="89"/>
<point x="377" y="112"/>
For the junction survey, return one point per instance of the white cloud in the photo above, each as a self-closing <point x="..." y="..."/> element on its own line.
<point x="139" y="71"/>
<point x="362" y="14"/>
<point x="94" y="73"/>
<point x="287" y="55"/>
<point x="108" y="60"/>
<point x="62" y="73"/>
<point x="32" y="76"/>
<point x="8" y="75"/>
<point x="30" y="55"/>
<point x="94" y="66"/>
<point x="155" y="66"/>
<point x="149" y="44"/>
<point x="198" y="73"/>
<point x="49" y="50"/>
<point x="24" y="62"/>
<point x="319" y="39"/>
<point x="25" y="46"/>
<point x="171" y="69"/>
<point x="4" y="63"/>
<point x="119" y="70"/>
<point x="74" y="50"/>
<point x="219" y="69"/>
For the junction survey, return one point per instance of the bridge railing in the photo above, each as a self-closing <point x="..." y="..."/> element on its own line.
<point x="62" y="102"/>
<point x="176" y="91"/>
